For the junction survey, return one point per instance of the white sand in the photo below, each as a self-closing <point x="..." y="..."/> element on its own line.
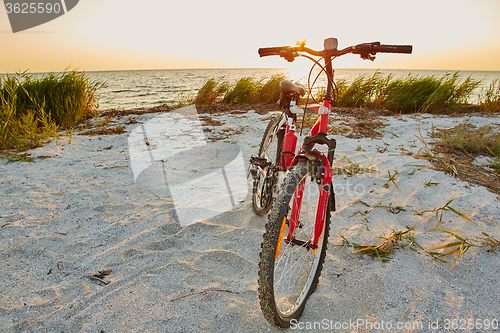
<point x="67" y="217"/>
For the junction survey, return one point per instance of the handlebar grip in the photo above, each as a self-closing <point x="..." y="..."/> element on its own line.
<point x="393" y="48"/>
<point x="270" y="51"/>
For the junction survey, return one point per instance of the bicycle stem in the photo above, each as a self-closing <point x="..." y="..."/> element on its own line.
<point x="329" y="74"/>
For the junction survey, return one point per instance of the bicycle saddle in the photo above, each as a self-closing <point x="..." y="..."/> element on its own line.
<point x="288" y="87"/>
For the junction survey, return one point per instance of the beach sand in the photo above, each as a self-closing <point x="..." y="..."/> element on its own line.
<point x="82" y="211"/>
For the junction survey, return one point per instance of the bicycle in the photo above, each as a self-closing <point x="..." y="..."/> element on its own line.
<point x="296" y="236"/>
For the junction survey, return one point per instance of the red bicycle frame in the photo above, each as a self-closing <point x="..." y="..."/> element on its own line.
<point x="321" y="126"/>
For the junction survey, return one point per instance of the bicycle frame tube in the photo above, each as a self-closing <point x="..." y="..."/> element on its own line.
<point x="294" y="217"/>
<point x="321" y="126"/>
<point x="325" y="190"/>
<point x="288" y="147"/>
<point x="326" y="187"/>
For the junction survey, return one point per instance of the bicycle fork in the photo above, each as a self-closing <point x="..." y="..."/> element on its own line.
<point x="324" y="177"/>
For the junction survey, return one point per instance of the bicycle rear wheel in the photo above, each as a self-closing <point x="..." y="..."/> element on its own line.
<point x="289" y="272"/>
<point x="263" y="186"/>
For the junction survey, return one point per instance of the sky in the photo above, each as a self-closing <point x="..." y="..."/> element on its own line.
<point x="455" y="35"/>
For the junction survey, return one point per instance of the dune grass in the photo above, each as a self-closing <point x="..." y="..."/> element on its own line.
<point x="31" y="110"/>
<point x="490" y="99"/>
<point x="407" y="95"/>
<point x="411" y="94"/>
<point x="245" y="91"/>
<point x="269" y="92"/>
<point x="211" y="91"/>
<point x="361" y="91"/>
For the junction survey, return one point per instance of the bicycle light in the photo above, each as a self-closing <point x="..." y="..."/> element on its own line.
<point x="331" y="44"/>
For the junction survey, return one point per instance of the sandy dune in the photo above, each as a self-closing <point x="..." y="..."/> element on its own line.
<point x="65" y="218"/>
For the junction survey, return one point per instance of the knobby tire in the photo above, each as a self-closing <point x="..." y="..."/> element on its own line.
<point x="273" y="271"/>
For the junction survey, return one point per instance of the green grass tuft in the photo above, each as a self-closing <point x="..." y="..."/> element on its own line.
<point x="245" y="91"/>
<point x="360" y="92"/>
<point x="472" y="141"/>
<point x="408" y="95"/>
<point x="411" y="94"/>
<point x="269" y="92"/>
<point x="211" y="91"/>
<point x="33" y="109"/>
<point x="490" y="99"/>
<point x="426" y="94"/>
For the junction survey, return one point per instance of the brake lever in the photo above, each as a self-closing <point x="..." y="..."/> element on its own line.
<point x="367" y="56"/>
<point x="366" y="51"/>
<point x="289" y="56"/>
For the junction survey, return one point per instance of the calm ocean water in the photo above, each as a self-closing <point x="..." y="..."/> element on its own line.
<point x="148" y="88"/>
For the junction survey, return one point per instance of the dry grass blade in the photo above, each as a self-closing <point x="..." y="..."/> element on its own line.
<point x="361" y="202"/>
<point x="454" y="234"/>
<point x="392" y="178"/>
<point x="459" y="247"/>
<point x="345" y="242"/>
<point x="343" y="158"/>
<point x="352" y="168"/>
<point x="443" y="246"/>
<point x="390" y="208"/>
<point x="446" y="207"/>
<point x="382" y="251"/>
<point x="489" y="241"/>
<point x="451" y="209"/>
<point x="431" y="183"/>
<point x="419" y="138"/>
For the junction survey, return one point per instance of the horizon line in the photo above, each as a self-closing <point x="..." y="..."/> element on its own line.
<point x="242" y="68"/>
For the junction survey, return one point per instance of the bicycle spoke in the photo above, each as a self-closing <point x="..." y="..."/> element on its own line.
<point x="298" y="264"/>
<point x="289" y="273"/>
<point x="296" y="259"/>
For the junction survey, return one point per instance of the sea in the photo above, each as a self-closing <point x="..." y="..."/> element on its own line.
<point x="130" y="89"/>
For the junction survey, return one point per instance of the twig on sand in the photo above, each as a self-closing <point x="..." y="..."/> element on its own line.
<point x="95" y="278"/>
<point x="100" y="276"/>
<point x="115" y="166"/>
<point x="204" y="292"/>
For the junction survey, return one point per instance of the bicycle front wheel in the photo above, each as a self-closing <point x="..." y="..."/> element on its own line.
<point x="263" y="186"/>
<point x="289" y="270"/>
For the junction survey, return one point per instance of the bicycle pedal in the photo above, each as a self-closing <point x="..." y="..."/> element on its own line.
<point x="260" y="161"/>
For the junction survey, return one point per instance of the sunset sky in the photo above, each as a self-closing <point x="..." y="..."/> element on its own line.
<point x="162" y="34"/>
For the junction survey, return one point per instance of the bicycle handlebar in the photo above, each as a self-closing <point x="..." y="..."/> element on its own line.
<point x="365" y="50"/>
